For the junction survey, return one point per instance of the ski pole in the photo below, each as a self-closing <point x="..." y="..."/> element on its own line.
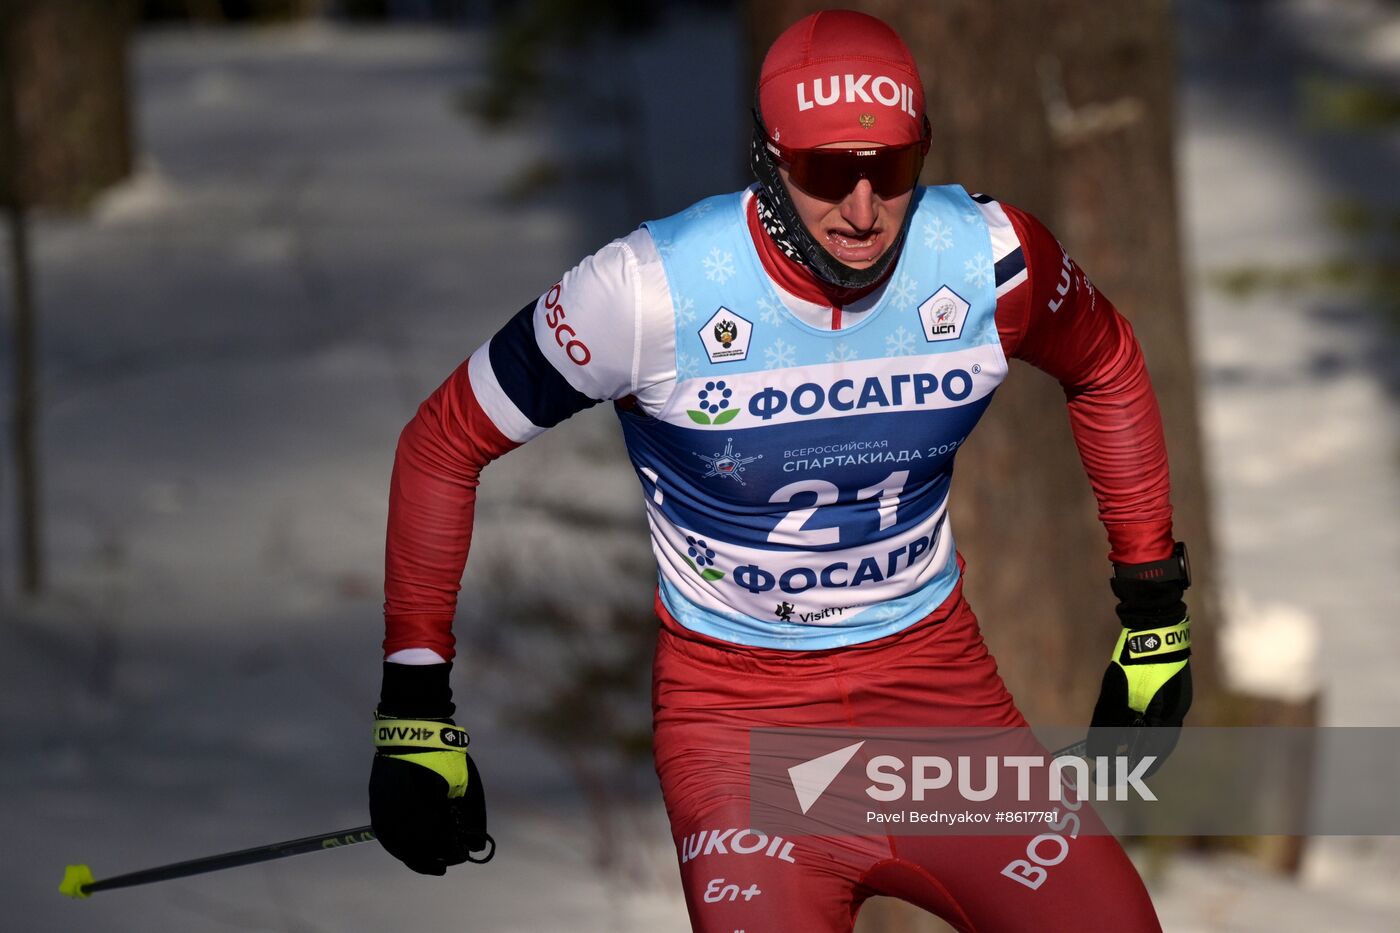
<point x="78" y="881"/>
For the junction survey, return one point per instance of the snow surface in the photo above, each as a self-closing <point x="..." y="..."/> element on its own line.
<point x="1302" y="428"/>
<point x="233" y="339"/>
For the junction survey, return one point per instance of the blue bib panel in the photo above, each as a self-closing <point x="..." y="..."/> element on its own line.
<point x="797" y="478"/>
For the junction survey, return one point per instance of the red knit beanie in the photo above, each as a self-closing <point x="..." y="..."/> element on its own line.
<point x="839" y="76"/>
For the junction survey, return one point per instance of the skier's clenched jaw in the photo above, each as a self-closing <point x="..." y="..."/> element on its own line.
<point x="856" y="230"/>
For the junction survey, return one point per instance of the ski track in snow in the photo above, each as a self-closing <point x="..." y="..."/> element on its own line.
<point x="233" y="340"/>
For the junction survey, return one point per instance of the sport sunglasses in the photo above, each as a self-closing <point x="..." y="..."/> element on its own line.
<point x="831" y="174"/>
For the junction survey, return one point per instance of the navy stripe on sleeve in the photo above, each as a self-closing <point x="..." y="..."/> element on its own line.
<point x="528" y="379"/>
<point x="1010" y="265"/>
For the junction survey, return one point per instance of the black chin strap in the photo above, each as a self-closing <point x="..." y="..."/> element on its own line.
<point x="780" y="219"/>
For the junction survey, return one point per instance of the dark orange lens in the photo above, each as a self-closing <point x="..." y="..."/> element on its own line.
<point x="831" y="174"/>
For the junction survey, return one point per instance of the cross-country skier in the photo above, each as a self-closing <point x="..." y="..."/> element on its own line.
<point x="795" y="366"/>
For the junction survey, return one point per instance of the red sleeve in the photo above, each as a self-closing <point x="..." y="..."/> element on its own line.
<point x="1058" y="322"/>
<point x="432" y="497"/>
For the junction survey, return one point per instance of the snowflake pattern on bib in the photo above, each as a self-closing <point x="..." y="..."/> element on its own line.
<point x="808" y="469"/>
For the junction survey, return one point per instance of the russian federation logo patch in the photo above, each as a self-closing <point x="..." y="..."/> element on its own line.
<point x="942" y="315"/>
<point x="726" y="336"/>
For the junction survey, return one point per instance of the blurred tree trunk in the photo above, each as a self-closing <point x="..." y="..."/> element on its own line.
<point x="1066" y="113"/>
<point x="1110" y="95"/>
<point x="66" y="63"/>
<point x="64" y="136"/>
<point x="22" y="341"/>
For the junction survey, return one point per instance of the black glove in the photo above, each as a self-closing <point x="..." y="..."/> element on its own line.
<point x="426" y="801"/>
<point x="1147" y="687"/>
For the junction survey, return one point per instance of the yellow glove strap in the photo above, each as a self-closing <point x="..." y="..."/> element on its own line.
<point x="1145" y="677"/>
<point x="419" y="733"/>
<point x="445" y="747"/>
<point x="1143" y="644"/>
